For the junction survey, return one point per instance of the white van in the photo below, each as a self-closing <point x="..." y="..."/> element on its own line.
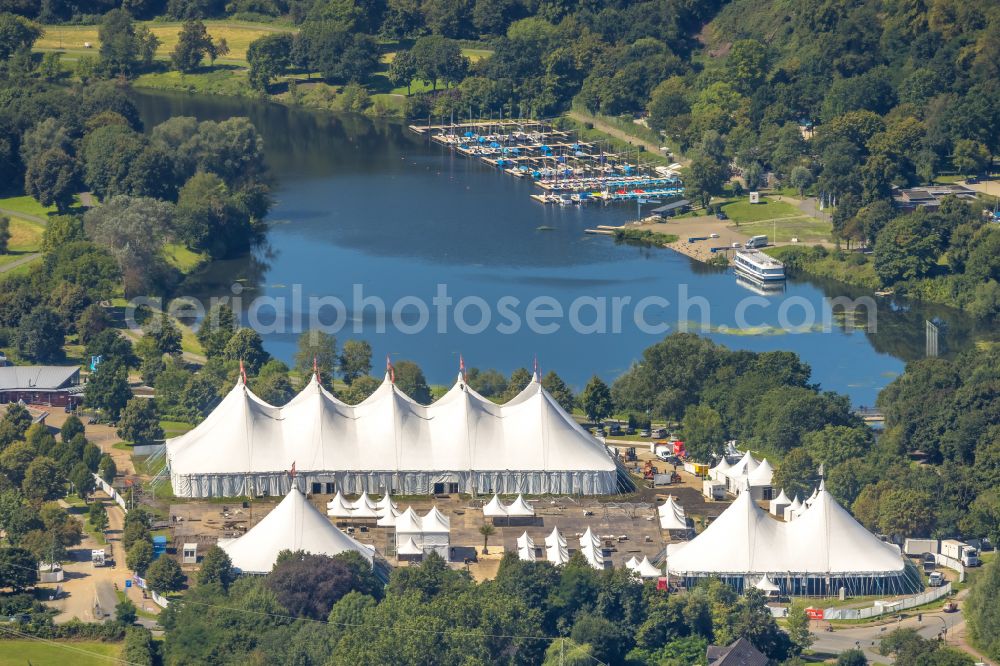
<point x="755" y="242"/>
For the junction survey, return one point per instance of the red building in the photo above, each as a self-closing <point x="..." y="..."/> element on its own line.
<point x="52" y="385"/>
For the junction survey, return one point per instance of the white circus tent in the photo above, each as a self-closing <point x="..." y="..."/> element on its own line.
<point x="390" y="443"/>
<point x="632" y="563"/>
<point x="822" y="550"/>
<point x="294" y="524"/>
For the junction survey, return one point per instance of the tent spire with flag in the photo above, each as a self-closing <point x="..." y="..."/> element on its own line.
<point x="389" y="369"/>
<point x="461" y="368"/>
<point x="243" y="371"/>
<point x="537" y="376"/>
<point x="316" y="369"/>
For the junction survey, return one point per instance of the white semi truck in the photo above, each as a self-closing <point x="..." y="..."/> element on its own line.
<point x="962" y="552"/>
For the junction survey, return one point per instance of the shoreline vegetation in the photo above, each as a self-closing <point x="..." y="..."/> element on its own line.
<point x="638" y="236"/>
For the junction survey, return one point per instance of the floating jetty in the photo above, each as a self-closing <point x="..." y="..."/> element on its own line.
<point x="568" y="170"/>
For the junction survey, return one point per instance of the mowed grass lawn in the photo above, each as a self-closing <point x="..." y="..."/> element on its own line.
<point x="27" y="205"/>
<point x="78" y="653"/>
<point x="783" y="230"/>
<point x="767" y="209"/>
<point x="25" y="235"/>
<point x="25" y="238"/>
<point x="238" y="36"/>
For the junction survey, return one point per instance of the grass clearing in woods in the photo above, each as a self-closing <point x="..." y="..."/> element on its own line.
<point x="238" y="35"/>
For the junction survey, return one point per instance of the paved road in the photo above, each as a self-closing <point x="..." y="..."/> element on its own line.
<point x="868" y="637"/>
<point x="28" y="258"/>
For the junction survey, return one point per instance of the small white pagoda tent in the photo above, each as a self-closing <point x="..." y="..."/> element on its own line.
<point x="767" y="586"/>
<point x="792" y="510"/>
<point x="364" y="502"/>
<point x="526" y="548"/>
<point x="520" y="509"/>
<point x="760" y="481"/>
<point x="646" y="569"/>
<point x="718" y="473"/>
<point x="495" y="509"/>
<point x="778" y="504"/>
<point x="590" y="546"/>
<point x="387" y="502"/>
<point x="435" y="531"/>
<point x="387" y="517"/>
<point x="338" y="507"/>
<point x="409" y="550"/>
<point x="555" y="538"/>
<point x="557" y="554"/>
<point x="672" y="515"/>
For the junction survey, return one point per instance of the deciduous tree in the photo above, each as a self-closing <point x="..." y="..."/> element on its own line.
<point x="165" y="575"/>
<point x="53" y="178"/>
<point x="596" y="400"/>
<point x="40" y="336"/>
<point x="411" y="381"/>
<point x="193" y="44"/>
<point x="140" y="423"/>
<point x="355" y="360"/>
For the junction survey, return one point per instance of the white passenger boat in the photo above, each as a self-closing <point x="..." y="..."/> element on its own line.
<point x="758" y="266"/>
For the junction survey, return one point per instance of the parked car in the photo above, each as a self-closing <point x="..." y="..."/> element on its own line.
<point x="935" y="579"/>
<point x="645" y="433"/>
<point x="722" y="215"/>
<point x="713" y="235"/>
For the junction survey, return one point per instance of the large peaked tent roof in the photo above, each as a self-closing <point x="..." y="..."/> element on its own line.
<point x="388" y="432"/>
<point x="824" y="540"/>
<point x="294" y="524"/>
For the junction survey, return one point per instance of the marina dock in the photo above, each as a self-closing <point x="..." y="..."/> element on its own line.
<point x="569" y="171"/>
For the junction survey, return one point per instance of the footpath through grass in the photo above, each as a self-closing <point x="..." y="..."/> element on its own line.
<point x="78" y="653"/>
<point x="26" y="205"/>
<point x="25" y="238"/>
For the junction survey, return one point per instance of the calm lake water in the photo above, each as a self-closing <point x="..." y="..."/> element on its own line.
<point x="372" y="204"/>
